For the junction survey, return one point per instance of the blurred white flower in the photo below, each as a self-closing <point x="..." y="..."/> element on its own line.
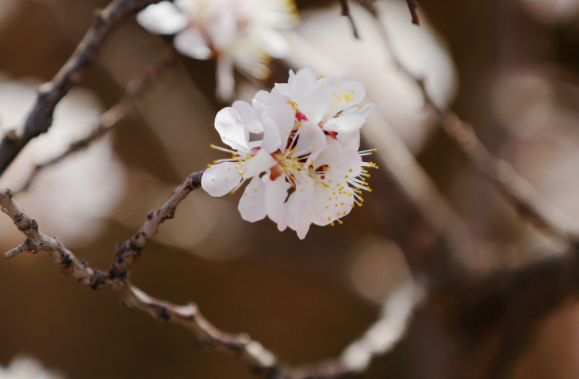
<point x="326" y="42"/>
<point x="72" y="198"/>
<point x="310" y="143"/>
<point x="235" y="32"/>
<point x="552" y="11"/>
<point x="23" y="367"/>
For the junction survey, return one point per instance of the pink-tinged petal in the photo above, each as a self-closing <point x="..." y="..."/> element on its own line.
<point x="271" y="137"/>
<point x="344" y="123"/>
<point x="260" y="102"/>
<point x="257" y="164"/>
<point x="225" y="79"/>
<point x="284" y="118"/>
<point x="190" y="42"/>
<point x="315" y="103"/>
<point x="304" y="81"/>
<point x="232" y="130"/>
<point x="327" y="82"/>
<point x="220" y="179"/>
<point x="274" y="44"/>
<point x="291" y="77"/>
<point x="348" y="92"/>
<point x="300" y="222"/>
<point x="349" y="167"/>
<point x="303" y="194"/>
<point x="252" y="203"/>
<point x="282" y="92"/>
<point x="331" y="155"/>
<point x="311" y="139"/>
<point x="275" y="195"/>
<point x="319" y="211"/>
<point x="162" y="18"/>
<point x="247" y="115"/>
<point x="360" y="111"/>
<point x="350" y="141"/>
<point x="339" y="206"/>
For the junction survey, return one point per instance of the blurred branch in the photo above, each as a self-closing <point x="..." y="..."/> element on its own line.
<point x="412" y="6"/>
<point x="428" y="210"/>
<point x="110" y="118"/>
<point x="40" y="117"/>
<point x="527" y="201"/>
<point x="346" y="12"/>
<point x="128" y="252"/>
<point x="257" y="358"/>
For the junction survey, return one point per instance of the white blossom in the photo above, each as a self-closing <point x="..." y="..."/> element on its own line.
<point x="75" y="197"/>
<point x="309" y="148"/>
<point x="24" y="367"/>
<point x="235" y="32"/>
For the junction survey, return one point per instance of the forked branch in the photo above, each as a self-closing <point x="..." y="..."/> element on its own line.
<point x="257" y="358"/>
<point x="113" y="116"/>
<point x="39" y="119"/>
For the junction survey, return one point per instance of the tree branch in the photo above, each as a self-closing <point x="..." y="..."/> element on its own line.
<point x="40" y="117"/>
<point x="128" y="252"/>
<point x="412" y="6"/>
<point x="526" y="200"/>
<point x="257" y="358"/>
<point x="346" y="12"/>
<point x="111" y="118"/>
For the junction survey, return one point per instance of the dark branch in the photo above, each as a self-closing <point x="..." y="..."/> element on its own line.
<point x="128" y="252"/>
<point x="111" y="118"/>
<point x="412" y="6"/>
<point x="346" y="12"/>
<point x="257" y="358"/>
<point x="40" y="117"/>
<point x="526" y="200"/>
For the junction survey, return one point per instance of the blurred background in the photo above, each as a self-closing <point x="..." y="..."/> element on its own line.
<point x="509" y="67"/>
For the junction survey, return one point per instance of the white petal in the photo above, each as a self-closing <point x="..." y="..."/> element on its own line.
<point x="316" y="104"/>
<point x="283" y="116"/>
<point x="274" y="44"/>
<point x="351" y="165"/>
<point x="304" y="81"/>
<point x="162" y="18"/>
<point x="311" y="139"/>
<point x="260" y="102"/>
<point x="348" y="92"/>
<point x="299" y="222"/>
<point x="220" y="179"/>
<point x="283" y="89"/>
<point x="232" y="130"/>
<point x="225" y="79"/>
<point x="259" y="163"/>
<point x="247" y="115"/>
<point x="363" y="111"/>
<point x="331" y="155"/>
<point x="271" y="136"/>
<point x="344" y="123"/>
<point x="275" y="196"/>
<point x="352" y="140"/>
<point x="304" y="192"/>
<point x="252" y="203"/>
<point x="190" y="42"/>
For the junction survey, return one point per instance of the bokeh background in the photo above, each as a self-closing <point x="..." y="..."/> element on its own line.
<point x="509" y="67"/>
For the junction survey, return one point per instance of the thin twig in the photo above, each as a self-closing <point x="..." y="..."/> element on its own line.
<point x="39" y="119"/>
<point x="527" y="201"/>
<point x="412" y="6"/>
<point x="346" y="12"/>
<point x="128" y="252"/>
<point x="111" y="118"/>
<point x="257" y="358"/>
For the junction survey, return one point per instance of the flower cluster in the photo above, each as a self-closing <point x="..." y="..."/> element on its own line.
<point x="235" y="32"/>
<point x="307" y="168"/>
